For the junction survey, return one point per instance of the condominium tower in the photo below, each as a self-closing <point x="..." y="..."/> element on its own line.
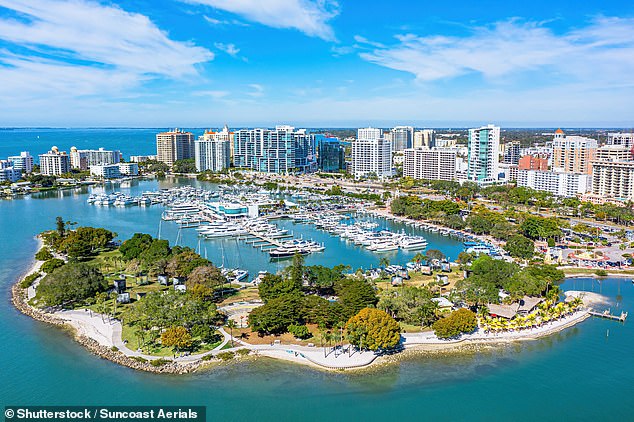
<point x="372" y="157"/>
<point x="83" y="159"/>
<point x="213" y="151"/>
<point x="429" y="164"/>
<point x="54" y="162"/>
<point x="22" y="162"/>
<point x="482" y="156"/>
<point x="573" y="154"/>
<point x="402" y="137"/>
<point x="174" y="145"/>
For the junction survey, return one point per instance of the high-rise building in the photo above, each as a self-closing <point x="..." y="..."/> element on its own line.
<point x="533" y="162"/>
<point x="511" y="153"/>
<point x="613" y="179"/>
<point x="429" y="164"/>
<point x="619" y="138"/>
<point x="372" y="157"/>
<point x="557" y="183"/>
<point x="613" y="153"/>
<point x="22" y="162"/>
<point x="402" y="138"/>
<point x="424" y="138"/>
<point x="369" y="133"/>
<point x="54" y="162"/>
<point x="83" y="159"/>
<point x="173" y="146"/>
<point x="482" y="156"/>
<point x="330" y="154"/>
<point x="279" y="150"/>
<point x="213" y="151"/>
<point x="573" y="154"/>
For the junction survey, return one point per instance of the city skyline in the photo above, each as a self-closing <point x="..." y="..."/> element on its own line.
<point x="315" y="63"/>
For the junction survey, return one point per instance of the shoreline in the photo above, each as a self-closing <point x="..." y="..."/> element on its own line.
<point x="288" y="353"/>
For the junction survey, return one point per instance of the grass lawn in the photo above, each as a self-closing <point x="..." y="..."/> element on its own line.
<point x="593" y="271"/>
<point x="418" y="279"/>
<point x="129" y="333"/>
<point x="244" y="295"/>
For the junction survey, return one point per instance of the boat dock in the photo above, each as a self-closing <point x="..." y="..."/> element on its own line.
<point x="606" y="314"/>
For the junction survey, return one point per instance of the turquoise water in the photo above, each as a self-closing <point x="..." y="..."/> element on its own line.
<point x="582" y="373"/>
<point x="38" y="141"/>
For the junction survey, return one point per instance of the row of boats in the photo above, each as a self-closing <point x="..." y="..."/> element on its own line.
<point x="118" y="199"/>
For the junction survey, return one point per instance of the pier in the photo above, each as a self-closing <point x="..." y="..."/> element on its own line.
<point x="606" y="314"/>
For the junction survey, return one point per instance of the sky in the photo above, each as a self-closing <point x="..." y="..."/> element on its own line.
<point x="345" y="63"/>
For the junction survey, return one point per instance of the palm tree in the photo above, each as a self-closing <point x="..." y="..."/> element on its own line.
<point x="231" y="324"/>
<point x="384" y="262"/>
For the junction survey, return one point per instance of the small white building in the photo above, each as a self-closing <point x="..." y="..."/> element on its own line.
<point x="129" y="169"/>
<point x="106" y="171"/>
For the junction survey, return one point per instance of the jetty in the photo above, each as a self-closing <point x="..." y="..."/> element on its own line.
<point x="606" y="314"/>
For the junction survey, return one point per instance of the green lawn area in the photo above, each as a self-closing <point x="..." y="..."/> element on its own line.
<point x="129" y="333"/>
<point x="592" y="271"/>
<point x="244" y="295"/>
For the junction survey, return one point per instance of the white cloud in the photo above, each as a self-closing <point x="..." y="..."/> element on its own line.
<point x="257" y="90"/>
<point x="601" y="51"/>
<point x="212" y="94"/>
<point x="230" y="49"/>
<point x="307" y="16"/>
<point x="80" y="47"/>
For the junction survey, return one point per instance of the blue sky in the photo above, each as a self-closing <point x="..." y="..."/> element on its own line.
<point x="316" y="63"/>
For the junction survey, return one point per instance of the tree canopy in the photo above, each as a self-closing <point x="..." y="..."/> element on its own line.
<point x="71" y="283"/>
<point x="458" y="322"/>
<point x="373" y="329"/>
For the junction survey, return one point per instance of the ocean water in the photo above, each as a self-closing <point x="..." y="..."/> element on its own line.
<point x="583" y="373"/>
<point x="39" y="141"/>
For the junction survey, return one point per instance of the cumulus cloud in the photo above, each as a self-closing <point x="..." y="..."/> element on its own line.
<point x="308" y="16"/>
<point x="602" y="50"/>
<point x="83" y="47"/>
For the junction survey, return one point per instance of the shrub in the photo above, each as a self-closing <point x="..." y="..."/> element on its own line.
<point x="114" y="348"/>
<point x="207" y="357"/>
<point x="139" y="359"/>
<point x="159" y="362"/>
<point x="243" y="352"/>
<point x="43" y="255"/>
<point x="299" y="331"/>
<point x="29" y="279"/>
<point x="458" y="322"/>
<point x="51" y="265"/>
<point x="601" y="273"/>
<point x="225" y="356"/>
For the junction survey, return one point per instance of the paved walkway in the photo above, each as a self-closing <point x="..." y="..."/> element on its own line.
<point x="107" y="332"/>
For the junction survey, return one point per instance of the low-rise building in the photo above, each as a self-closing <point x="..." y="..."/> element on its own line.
<point x="142" y="158"/>
<point x="129" y="169"/>
<point x="9" y="173"/>
<point x="106" y="171"/>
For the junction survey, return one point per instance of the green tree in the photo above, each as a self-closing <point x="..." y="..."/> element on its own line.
<point x="277" y="314"/>
<point x="52" y="264"/>
<point x="273" y="286"/>
<point x="43" y="255"/>
<point x="299" y="331"/>
<point x="60" y="226"/>
<point x="373" y="328"/>
<point x="355" y="294"/>
<point x="187" y="165"/>
<point x="74" y="282"/>
<point x="231" y="324"/>
<point x="519" y="246"/>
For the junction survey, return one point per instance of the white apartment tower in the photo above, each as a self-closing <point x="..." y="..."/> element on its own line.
<point x="85" y="158"/>
<point x="22" y="162"/>
<point x="483" y="154"/>
<point x="429" y="164"/>
<point x="213" y="151"/>
<point x="372" y="157"/>
<point x="54" y="162"/>
<point x="369" y="133"/>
